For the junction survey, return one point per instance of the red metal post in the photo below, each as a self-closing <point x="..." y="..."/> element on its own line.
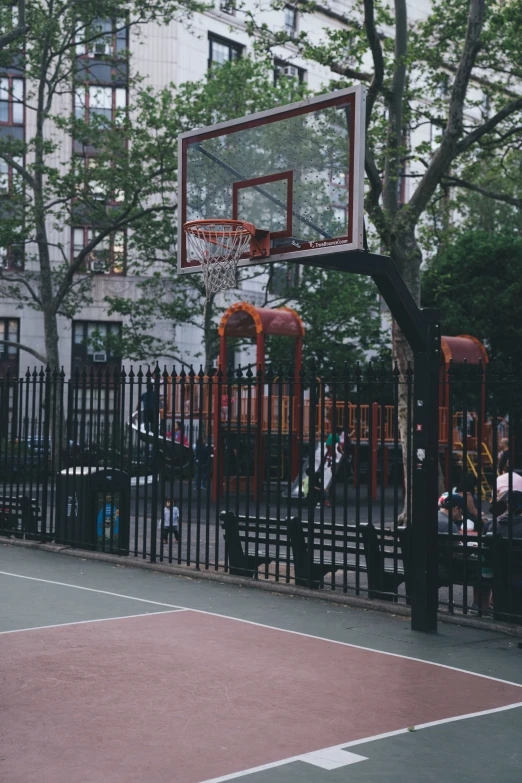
<point x="374" y="445"/>
<point x="218" y="440"/>
<point x="258" y="456"/>
<point x="297" y="435"/>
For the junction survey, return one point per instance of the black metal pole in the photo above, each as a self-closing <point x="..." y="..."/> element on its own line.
<point x="424" y="599"/>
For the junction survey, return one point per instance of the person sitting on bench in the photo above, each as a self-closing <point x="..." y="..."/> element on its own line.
<point x="508" y="504"/>
<point x="456" y="502"/>
<point x="508" y="507"/>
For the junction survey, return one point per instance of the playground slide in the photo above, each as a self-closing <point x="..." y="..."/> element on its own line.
<point x="320" y="457"/>
<point x="176" y="453"/>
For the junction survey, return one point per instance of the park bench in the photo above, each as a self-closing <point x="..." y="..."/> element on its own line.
<point x="365" y="549"/>
<point x="458" y="562"/>
<point x="252" y="541"/>
<point x="19" y="516"/>
<point x="505" y="558"/>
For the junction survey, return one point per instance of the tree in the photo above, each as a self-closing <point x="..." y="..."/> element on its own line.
<point x="119" y="179"/>
<point x="15" y="27"/>
<point x="455" y="73"/>
<point x="238" y="87"/>
<point x="477" y="284"/>
<point x="234" y="89"/>
<point x="342" y="319"/>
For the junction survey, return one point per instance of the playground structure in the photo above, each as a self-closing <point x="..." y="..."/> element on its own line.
<point x="265" y="410"/>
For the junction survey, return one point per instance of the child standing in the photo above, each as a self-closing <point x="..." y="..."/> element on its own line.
<point x="170" y="521"/>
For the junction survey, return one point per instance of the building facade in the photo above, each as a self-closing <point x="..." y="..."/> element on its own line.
<point x="162" y="55"/>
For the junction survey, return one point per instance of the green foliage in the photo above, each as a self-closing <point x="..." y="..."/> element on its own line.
<point x="477" y="284"/>
<point x="491" y="201"/>
<point x="340" y="312"/>
<point x="342" y="319"/>
<point x="239" y="87"/>
<point x="129" y="183"/>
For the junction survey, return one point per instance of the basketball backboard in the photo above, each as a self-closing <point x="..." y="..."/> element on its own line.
<point x="296" y="171"/>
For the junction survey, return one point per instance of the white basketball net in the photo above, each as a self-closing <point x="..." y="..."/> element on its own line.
<point x="218" y="246"/>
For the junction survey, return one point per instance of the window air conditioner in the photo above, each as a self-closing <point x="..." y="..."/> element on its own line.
<point x="99" y="268"/>
<point x="100" y="356"/>
<point x="228" y="7"/>
<point x="101" y="47"/>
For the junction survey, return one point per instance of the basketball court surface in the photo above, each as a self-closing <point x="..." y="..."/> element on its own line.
<point x="112" y="674"/>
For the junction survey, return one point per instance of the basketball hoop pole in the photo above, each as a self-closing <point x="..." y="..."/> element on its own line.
<point x="421" y="328"/>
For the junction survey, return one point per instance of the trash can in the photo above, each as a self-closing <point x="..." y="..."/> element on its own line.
<point x="93" y="509"/>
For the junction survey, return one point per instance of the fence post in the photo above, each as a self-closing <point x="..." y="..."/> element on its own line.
<point x="374" y="445"/>
<point x="425" y="481"/>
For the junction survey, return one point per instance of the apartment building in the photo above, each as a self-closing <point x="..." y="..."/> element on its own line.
<point x="161" y="55"/>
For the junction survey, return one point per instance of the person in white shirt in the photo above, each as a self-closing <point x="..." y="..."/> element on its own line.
<point x="170" y="521"/>
<point x="503" y="481"/>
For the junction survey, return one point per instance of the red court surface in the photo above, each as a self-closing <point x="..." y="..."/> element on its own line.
<point x="186" y="697"/>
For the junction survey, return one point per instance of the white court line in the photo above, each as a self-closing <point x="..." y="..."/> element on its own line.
<point x="93" y="590"/>
<point x="269" y="627"/>
<point x="314" y="757"/>
<point x="335" y="749"/>
<point x="97" y="620"/>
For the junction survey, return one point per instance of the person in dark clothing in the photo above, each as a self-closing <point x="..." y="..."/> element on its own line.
<point x="509" y="524"/>
<point x="457" y="506"/>
<point x="514" y="510"/>
<point x="149" y="407"/>
<point x="202" y="454"/>
<point x="467" y="488"/>
<point x="316" y="487"/>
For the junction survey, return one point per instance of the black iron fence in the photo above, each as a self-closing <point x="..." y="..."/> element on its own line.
<point x="276" y="475"/>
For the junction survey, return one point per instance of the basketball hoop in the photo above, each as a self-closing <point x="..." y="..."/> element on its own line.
<point x="218" y="245"/>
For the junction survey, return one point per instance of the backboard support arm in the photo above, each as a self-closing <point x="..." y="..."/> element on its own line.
<point x="390" y="284"/>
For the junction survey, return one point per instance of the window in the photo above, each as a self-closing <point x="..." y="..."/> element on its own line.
<point x="9" y="330"/>
<point x="93" y="101"/>
<point x="11" y="101"/>
<point x="110" y="37"/>
<point x="12" y="257"/>
<point x="11" y="187"/>
<point x="95" y="343"/>
<point x="228" y="7"/>
<point x="99" y="184"/>
<point x="10" y="181"/>
<point x="284" y="69"/>
<point x="221" y="51"/>
<point x="107" y="258"/>
<point x="290" y="19"/>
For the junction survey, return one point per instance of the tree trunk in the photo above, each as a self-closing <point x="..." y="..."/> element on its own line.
<point x="210" y="340"/>
<point x="47" y="296"/>
<point x="407" y="256"/>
